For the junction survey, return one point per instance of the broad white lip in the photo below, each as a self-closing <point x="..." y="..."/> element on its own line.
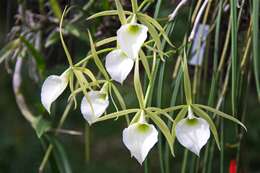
<point x="139" y="138"/>
<point x="193" y="133"/>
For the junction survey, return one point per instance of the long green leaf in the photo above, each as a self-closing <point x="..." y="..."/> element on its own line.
<point x="164" y="129"/>
<point x="222" y="114"/>
<point x="234" y="58"/>
<point x="137" y="85"/>
<point x="96" y="58"/>
<point x="156" y="25"/>
<point x="121" y="12"/>
<point x="187" y="83"/>
<point x="256" y="44"/>
<point x="116" y="114"/>
<point x="145" y="63"/>
<point x="107" y="13"/>
<point x="154" y="34"/>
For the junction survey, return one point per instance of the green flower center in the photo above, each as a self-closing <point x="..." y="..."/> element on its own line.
<point x="103" y="96"/>
<point x="192" y="122"/>
<point x="143" y="128"/>
<point x="134" y="29"/>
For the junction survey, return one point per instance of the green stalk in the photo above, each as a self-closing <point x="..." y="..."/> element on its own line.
<point x="149" y="91"/>
<point x="222" y="146"/>
<point x="184" y="161"/>
<point x="256" y="45"/>
<point x="234" y="57"/>
<point x="87" y="142"/>
<point x="177" y="85"/>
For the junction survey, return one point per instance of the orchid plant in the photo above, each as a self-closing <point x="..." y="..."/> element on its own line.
<point x="139" y="41"/>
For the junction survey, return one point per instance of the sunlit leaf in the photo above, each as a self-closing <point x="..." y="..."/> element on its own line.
<point x="164" y="129"/>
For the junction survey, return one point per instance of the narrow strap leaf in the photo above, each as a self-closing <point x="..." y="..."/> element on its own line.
<point x="222" y="114"/>
<point x="256" y="45"/>
<point x="164" y="129"/>
<point x="96" y="58"/>
<point x="121" y="12"/>
<point x="134" y="6"/>
<point x="105" y="41"/>
<point x="174" y="108"/>
<point x="137" y="85"/>
<point x="107" y="13"/>
<point x="187" y="83"/>
<point x="145" y="64"/>
<point x="116" y="114"/>
<point x="156" y="25"/>
<point x="160" y="111"/>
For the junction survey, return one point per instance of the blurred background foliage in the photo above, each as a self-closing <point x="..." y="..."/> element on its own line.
<point x="38" y="20"/>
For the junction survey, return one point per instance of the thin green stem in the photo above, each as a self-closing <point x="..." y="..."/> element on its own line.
<point x="87" y="143"/>
<point x="256" y="44"/>
<point x="62" y="40"/>
<point x="184" y="161"/>
<point x="234" y="57"/>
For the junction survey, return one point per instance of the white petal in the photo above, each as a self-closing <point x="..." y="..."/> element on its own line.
<point x="52" y="88"/>
<point x="193" y="133"/>
<point x="99" y="102"/>
<point x="131" y="37"/>
<point x="139" y="138"/>
<point x="118" y="65"/>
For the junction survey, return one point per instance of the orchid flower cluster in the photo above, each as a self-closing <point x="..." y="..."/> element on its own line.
<point x="141" y="134"/>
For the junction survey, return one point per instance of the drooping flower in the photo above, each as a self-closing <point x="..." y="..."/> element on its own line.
<point x="139" y="138"/>
<point x="118" y="65"/>
<point x="193" y="133"/>
<point x="94" y="105"/>
<point x="130" y="38"/>
<point x="52" y="88"/>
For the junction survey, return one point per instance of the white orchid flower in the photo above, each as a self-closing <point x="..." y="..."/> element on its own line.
<point x="52" y="88"/>
<point x="118" y="65"/>
<point x="130" y="38"/>
<point x="139" y="138"/>
<point x="193" y="133"/>
<point x="94" y="106"/>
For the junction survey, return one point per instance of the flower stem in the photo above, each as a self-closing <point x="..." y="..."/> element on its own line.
<point x="184" y="161"/>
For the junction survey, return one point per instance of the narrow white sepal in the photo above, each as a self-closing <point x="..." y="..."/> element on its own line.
<point x="139" y="138"/>
<point x="193" y="133"/>
<point x="118" y="65"/>
<point x="130" y="38"/>
<point x="52" y="88"/>
<point x="99" y="102"/>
